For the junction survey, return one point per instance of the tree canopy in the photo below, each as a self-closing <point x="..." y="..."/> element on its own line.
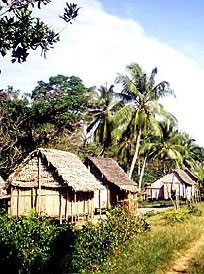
<point x="22" y="32"/>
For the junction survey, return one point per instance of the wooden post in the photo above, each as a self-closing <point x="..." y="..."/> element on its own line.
<point x="88" y="205"/>
<point x="75" y="205"/>
<point x="92" y="207"/>
<point x="107" y="197"/>
<point x="84" y="196"/>
<point x="18" y="197"/>
<point x="39" y="185"/>
<point x="67" y="207"/>
<point x="60" y="208"/>
<point x="99" y="197"/>
<point x="32" y="198"/>
<point x="78" y="208"/>
<point x="71" y="208"/>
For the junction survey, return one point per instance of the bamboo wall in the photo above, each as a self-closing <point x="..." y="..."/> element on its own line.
<point x="37" y="187"/>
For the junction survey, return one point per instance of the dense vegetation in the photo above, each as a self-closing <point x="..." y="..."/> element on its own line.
<point x="32" y="245"/>
<point x="131" y="125"/>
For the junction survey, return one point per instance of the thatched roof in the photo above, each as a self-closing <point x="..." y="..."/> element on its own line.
<point x="113" y="173"/>
<point x="68" y="168"/>
<point x="184" y="176"/>
<point x="181" y="174"/>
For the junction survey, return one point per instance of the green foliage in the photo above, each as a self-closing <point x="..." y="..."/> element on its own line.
<point x="25" y="242"/>
<point x="56" y="108"/>
<point x="179" y="215"/>
<point x="176" y="215"/>
<point x="60" y="101"/>
<point x="21" y="32"/>
<point x="151" y="252"/>
<point x="96" y="242"/>
<point x="35" y="245"/>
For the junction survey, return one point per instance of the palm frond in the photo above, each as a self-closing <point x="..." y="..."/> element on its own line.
<point x="161" y="90"/>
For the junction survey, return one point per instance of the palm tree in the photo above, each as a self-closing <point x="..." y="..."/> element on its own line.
<point x="142" y="94"/>
<point x="168" y="148"/>
<point x="101" y="124"/>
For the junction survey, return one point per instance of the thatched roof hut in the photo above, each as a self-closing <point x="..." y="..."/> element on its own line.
<point x="179" y="182"/>
<point x="54" y="182"/>
<point x="112" y="173"/>
<point x="113" y="177"/>
<point x="66" y="166"/>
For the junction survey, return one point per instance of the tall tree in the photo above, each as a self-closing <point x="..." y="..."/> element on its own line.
<point x="60" y="101"/>
<point x="101" y="124"/>
<point x="143" y="94"/>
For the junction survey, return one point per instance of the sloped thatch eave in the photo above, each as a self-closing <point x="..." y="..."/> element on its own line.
<point x="113" y="173"/>
<point x="67" y="166"/>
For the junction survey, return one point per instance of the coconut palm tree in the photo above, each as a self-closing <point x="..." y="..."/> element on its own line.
<point x="101" y="124"/>
<point x="142" y="95"/>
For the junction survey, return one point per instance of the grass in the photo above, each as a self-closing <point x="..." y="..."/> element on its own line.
<point x="198" y="265"/>
<point x="151" y="252"/>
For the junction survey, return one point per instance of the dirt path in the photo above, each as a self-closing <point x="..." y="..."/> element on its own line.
<point x="182" y="262"/>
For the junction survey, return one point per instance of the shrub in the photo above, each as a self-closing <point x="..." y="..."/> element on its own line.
<point x="176" y="215"/>
<point x="95" y="242"/>
<point x="25" y="242"/>
<point x="179" y="215"/>
<point x="35" y="245"/>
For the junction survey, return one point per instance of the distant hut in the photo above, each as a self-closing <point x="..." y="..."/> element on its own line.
<point x="55" y="183"/>
<point x="180" y="183"/>
<point x="118" y="187"/>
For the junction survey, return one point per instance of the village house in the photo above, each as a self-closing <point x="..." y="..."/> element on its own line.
<point x="55" y="183"/>
<point x="180" y="183"/>
<point x="118" y="187"/>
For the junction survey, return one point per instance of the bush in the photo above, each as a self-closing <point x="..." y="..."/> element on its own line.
<point x="35" y="245"/>
<point x="95" y="242"/>
<point x="179" y="215"/>
<point x="25" y="242"/>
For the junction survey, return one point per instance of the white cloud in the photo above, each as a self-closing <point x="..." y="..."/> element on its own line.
<point x="98" y="45"/>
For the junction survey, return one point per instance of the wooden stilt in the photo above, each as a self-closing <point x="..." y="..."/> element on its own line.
<point x="75" y="207"/>
<point x="72" y="209"/>
<point x="18" y="197"/>
<point x="99" y="196"/>
<point x="39" y="185"/>
<point x="67" y="207"/>
<point x="60" y="208"/>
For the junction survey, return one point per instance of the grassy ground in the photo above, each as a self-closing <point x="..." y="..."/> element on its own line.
<point x="198" y="265"/>
<point x="151" y="252"/>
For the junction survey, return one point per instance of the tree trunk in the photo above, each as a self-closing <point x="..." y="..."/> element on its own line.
<point x="139" y="168"/>
<point x="136" y="154"/>
<point x="142" y="172"/>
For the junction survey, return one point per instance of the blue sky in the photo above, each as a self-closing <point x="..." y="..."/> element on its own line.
<point x="179" y="23"/>
<point x="108" y="35"/>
